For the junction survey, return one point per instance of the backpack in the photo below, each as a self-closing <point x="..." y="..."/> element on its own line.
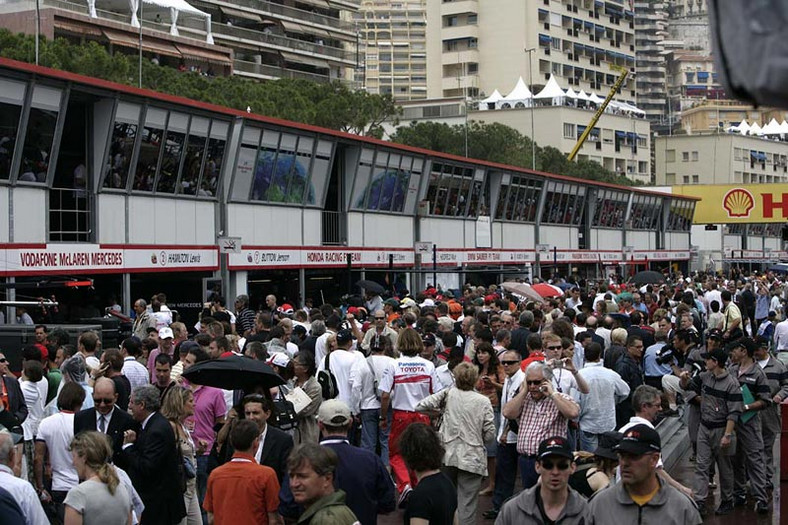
<point x="327" y="381"/>
<point x="750" y="49"/>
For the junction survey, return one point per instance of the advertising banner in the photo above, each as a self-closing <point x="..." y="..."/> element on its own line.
<point x="747" y="203"/>
<point x="98" y="258"/>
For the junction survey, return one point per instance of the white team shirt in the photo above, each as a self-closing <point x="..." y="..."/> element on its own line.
<point x="409" y="380"/>
<point x="341" y="364"/>
<point x="57" y="431"/>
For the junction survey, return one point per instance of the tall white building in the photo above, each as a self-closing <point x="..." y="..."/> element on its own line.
<point x="474" y="47"/>
<point x="393" y="36"/>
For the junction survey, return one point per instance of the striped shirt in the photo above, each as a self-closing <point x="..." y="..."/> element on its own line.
<point x="540" y="420"/>
<point x="136" y="373"/>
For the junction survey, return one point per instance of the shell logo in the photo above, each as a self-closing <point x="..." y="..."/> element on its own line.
<point x="738" y="202"/>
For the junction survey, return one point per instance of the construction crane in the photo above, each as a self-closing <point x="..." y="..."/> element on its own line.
<point x="600" y="110"/>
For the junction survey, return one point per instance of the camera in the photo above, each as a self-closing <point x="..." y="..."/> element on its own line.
<point x="555" y="363"/>
<point x="666" y="355"/>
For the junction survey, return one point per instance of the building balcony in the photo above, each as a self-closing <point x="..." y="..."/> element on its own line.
<point x="256" y="8"/>
<point x="460" y="7"/>
<point x="232" y="35"/>
<point x="268" y="72"/>
<point x="462" y="57"/>
<point x="460" y="82"/>
<point x="459" y="32"/>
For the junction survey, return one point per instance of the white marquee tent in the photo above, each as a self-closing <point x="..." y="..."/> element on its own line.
<point x="171" y="8"/>
<point x="519" y="95"/>
<point x="552" y="91"/>
<point x="493" y="99"/>
<point x="772" y="128"/>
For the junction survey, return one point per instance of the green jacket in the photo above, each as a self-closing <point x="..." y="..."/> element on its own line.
<point x="329" y="510"/>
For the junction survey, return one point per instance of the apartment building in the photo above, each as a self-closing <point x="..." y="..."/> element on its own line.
<point x="306" y="39"/>
<point x="471" y="51"/>
<point x="720" y="158"/>
<point x="651" y="30"/>
<point x="394" y="42"/>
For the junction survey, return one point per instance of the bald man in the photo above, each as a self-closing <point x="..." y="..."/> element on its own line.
<point x="105" y="416"/>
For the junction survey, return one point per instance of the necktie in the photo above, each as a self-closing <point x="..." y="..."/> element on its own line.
<point x="103" y="424"/>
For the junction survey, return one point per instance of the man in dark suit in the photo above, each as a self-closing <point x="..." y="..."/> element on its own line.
<point x="150" y="458"/>
<point x="11" y="393"/>
<point x="105" y="416"/>
<point x="275" y="445"/>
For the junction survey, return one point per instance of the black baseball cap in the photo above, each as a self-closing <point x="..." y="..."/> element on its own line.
<point x="718" y="354"/>
<point x="745" y="342"/>
<point x="428" y="339"/>
<point x="639" y="440"/>
<point x="344" y="336"/>
<point x="555" y="446"/>
<point x="715" y="333"/>
<point x="607" y="442"/>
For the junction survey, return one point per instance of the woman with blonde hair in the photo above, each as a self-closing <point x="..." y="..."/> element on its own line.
<point x="176" y="406"/>
<point x="100" y="498"/>
<point x="618" y="341"/>
<point x="466" y="428"/>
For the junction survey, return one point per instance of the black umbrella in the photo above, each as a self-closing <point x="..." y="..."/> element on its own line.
<point x="647" y="277"/>
<point x="371" y="286"/>
<point x="233" y="373"/>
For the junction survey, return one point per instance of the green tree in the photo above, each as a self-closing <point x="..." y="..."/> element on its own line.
<point x="497" y="142"/>
<point x="332" y="105"/>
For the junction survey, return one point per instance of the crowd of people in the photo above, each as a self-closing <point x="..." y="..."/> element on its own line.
<point x="426" y="401"/>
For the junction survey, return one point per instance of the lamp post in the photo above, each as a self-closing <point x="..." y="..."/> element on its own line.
<point x="140" y="64"/>
<point x="38" y="27"/>
<point x="530" y="50"/>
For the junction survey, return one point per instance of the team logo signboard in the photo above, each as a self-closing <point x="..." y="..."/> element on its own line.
<point x="748" y="203"/>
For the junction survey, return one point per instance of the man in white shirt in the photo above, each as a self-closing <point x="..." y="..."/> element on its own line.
<point x="342" y="362"/>
<point x="598" y="407"/>
<point x="506" y="455"/>
<point x="22" y="491"/>
<point x="372" y="435"/>
<point x="781" y="336"/>
<point x="333" y="323"/>
<point x="134" y="371"/>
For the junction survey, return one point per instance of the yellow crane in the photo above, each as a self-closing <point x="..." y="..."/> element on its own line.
<point x="600" y="110"/>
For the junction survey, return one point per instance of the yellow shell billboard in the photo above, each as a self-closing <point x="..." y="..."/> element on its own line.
<point x="750" y="203"/>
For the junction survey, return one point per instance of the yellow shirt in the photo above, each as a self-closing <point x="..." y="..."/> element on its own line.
<point x="642" y="500"/>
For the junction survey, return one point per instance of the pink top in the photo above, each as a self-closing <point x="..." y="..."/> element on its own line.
<point x="209" y="405"/>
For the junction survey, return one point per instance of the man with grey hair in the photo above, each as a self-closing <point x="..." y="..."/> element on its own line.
<point x="244" y="316"/>
<point x="151" y="461"/>
<point x="521" y="333"/>
<point x="21" y="490"/>
<point x="542" y="413"/>
<point x="143" y="320"/>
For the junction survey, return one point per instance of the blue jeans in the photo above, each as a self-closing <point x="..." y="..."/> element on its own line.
<point x="373" y="436"/>
<point x="528" y="471"/>
<point x="505" y="473"/>
<point x="588" y="441"/>
<point x="202" y="483"/>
